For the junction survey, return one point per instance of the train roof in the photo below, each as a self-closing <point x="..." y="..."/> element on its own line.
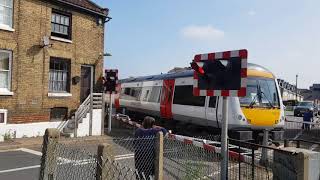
<point x="181" y="74"/>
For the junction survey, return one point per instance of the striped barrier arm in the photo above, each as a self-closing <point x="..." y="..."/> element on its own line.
<point x="201" y="143"/>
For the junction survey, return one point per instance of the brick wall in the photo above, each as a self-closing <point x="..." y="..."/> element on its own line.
<point x="30" y="65"/>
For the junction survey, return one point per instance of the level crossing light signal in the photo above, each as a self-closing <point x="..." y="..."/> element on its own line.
<point x="220" y="74"/>
<point x="111" y="81"/>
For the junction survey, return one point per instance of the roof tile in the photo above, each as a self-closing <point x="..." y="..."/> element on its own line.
<point x="88" y="5"/>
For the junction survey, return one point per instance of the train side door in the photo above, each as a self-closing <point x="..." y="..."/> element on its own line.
<point x="211" y="111"/>
<point x="166" y="99"/>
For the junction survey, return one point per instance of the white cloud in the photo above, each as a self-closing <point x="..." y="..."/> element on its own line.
<point x="207" y="32"/>
<point x="252" y="13"/>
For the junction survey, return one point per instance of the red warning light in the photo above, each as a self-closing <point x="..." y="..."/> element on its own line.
<point x="197" y="68"/>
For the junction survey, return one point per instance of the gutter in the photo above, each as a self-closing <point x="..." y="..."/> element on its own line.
<point x="83" y="8"/>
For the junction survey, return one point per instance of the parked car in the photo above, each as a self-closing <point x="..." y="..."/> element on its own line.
<point x="303" y="106"/>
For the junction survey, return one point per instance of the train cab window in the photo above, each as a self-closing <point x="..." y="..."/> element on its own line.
<point x="213" y="101"/>
<point x="155" y="94"/>
<point x="183" y="95"/>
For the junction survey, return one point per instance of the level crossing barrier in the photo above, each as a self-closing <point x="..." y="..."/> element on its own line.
<point x="198" y="158"/>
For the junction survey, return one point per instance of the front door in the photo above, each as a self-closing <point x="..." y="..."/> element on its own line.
<point x="86" y="73"/>
<point x="166" y="99"/>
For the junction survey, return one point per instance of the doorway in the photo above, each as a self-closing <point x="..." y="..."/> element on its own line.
<point x="86" y="83"/>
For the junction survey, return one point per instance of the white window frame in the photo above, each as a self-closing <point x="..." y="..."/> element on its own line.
<point x="7" y="91"/>
<point x="6" y="26"/>
<point x="5" y="112"/>
<point x="52" y="93"/>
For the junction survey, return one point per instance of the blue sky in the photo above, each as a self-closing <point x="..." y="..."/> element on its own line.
<point x="151" y="36"/>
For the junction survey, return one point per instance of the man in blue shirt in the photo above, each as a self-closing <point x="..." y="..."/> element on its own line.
<point x="145" y="147"/>
<point x="307" y="117"/>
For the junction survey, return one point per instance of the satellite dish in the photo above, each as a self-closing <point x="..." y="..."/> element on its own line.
<point x="46" y="41"/>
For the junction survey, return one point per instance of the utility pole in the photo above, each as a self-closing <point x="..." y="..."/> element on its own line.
<point x="297" y="87"/>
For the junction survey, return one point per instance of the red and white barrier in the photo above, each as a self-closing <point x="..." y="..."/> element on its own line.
<point x="201" y="143"/>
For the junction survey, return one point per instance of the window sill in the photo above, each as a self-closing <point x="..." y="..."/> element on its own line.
<point x="6" y="93"/>
<point x="59" y="94"/>
<point x="6" y="28"/>
<point x="60" y="39"/>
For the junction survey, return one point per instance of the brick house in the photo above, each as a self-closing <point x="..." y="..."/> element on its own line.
<point x="50" y="52"/>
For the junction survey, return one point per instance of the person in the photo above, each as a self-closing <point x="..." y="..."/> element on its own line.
<point x="307" y="117"/>
<point x="145" y="148"/>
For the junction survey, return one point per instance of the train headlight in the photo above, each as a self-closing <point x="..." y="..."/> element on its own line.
<point x="240" y="117"/>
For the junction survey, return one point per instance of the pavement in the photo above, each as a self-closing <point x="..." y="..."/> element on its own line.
<point x="21" y="157"/>
<point x="19" y="163"/>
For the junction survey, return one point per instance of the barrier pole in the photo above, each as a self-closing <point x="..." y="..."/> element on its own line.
<point x="110" y="113"/>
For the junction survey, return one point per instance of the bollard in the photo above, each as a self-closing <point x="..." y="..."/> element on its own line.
<point x="159" y="157"/>
<point x="298" y="144"/>
<point x="286" y="143"/>
<point x="49" y="159"/>
<point x="105" y="158"/>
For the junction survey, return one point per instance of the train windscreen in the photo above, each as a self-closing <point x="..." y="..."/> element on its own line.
<point x="261" y="92"/>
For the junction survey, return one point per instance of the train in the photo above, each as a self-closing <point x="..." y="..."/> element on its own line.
<point x="169" y="98"/>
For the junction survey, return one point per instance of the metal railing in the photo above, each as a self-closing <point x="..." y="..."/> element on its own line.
<point x="93" y="101"/>
<point x="302" y="130"/>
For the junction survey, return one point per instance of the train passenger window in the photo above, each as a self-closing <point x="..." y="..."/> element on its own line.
<point x="132" y="93"/>
<point x="155" y="94"/>
<point x="213" y="101"/>
<point x="183" y="95"/>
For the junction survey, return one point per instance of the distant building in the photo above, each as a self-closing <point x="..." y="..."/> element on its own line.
<point x="289" y="91"/>
<point x="179" y="69"/>
<point x="312" y="94"/>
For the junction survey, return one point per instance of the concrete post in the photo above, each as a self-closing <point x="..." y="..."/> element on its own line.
<point x="104" y="168"/>
<point x="159" y="157"/>
<point x="49" y="159"/>
<point x="296" y="164"/>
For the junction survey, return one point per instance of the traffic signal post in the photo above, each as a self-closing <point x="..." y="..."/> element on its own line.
<point x="221" y="74"/>
<point x="110" y="84"/>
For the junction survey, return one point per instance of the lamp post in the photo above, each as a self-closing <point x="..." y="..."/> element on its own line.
<point x="110" y="104"/>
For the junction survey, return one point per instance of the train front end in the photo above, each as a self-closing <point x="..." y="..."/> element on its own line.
<point x="262" y="107"/>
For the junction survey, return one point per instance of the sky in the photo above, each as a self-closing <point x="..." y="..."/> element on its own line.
<point x="147" y="37"/>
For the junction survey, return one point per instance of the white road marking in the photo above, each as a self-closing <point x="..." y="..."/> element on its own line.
<point x="9" y="150"/>
<point x="19" y="169"/>
<point x="31" y="151"/>
<point x="125" y="156"/>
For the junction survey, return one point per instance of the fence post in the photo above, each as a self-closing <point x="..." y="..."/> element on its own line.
<point x="239" y="160"/>
<point x="159" y="157"/>
<point x="104" y="169"/>
<point x="49" y="159"/>
<point x="298" y="144"/>
<point x="252" y="162"/>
